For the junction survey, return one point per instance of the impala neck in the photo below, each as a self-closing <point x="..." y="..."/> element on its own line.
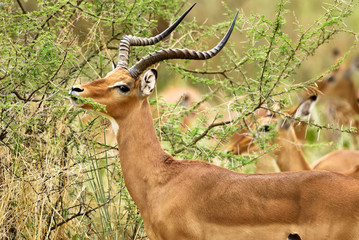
<point x="290" y="155"/>
<point x="141" y="155"/>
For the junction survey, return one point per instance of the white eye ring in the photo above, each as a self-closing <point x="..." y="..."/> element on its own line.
<point x="123" y="87"/>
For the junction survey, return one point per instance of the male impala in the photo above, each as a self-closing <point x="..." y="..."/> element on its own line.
<point x="197" y="200"/>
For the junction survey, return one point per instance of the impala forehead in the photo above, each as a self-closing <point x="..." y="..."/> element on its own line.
<point x="121" y="83"/>
<point x="118" y="82"/>
<point x="119" y="77"/>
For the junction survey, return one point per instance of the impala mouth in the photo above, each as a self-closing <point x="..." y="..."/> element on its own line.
<point x="74" y="99"/>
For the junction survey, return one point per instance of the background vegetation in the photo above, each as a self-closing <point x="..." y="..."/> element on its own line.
<point x="57" y="181"/>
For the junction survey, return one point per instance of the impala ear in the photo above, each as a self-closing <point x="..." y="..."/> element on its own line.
<point x="301" y="111"/>
<point x="148" y="83"/>
<point x="305" y="107"/>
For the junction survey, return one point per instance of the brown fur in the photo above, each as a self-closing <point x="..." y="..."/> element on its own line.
<point x="340" y="97"/>
<point x="289" y="155"/>
<point x="291" y="158"/>
<point x="197" y="200"/>
<point x="338" y="161"/>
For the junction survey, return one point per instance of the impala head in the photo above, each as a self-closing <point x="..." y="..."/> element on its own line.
<point x="117" y="91"/>
<point x="243" y="142"/>
<point x="339" y="84"/>
<point x="302" y="110"/>
<point x="123" y="88"/>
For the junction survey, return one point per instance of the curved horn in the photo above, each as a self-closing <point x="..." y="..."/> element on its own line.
<point x="165" y="54"/>
<point x="128" y="40"/>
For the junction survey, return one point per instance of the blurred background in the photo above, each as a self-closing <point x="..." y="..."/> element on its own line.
<point x="210" y="12"/>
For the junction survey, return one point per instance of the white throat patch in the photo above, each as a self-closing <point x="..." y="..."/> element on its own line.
<point x="114" y="124"/>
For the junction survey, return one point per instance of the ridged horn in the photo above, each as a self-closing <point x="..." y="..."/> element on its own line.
<point x="127" y="41"/>
<point x="165" y="54"/>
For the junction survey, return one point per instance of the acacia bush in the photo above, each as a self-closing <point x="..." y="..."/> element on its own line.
<point x="56" y="180"/>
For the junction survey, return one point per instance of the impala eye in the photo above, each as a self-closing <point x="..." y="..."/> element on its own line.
<point x="123" y="88"/>
<point x="331" y="79"/>
<point x="313" y="97"/>
<point x="265" y="128"/>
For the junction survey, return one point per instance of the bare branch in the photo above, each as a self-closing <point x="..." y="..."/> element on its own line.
<point x="21" y="6"/>
<point x="87" y="212"/>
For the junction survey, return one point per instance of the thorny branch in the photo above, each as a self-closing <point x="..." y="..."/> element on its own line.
<point x="310" y="123"/>
<point x="204" y="134"/>
<point x="272" y="40"/>
<point x="79" y="214"/>
<point x="28" y="98"/>
<point x="21" y="6"/>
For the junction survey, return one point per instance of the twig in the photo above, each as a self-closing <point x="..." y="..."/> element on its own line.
<point x="25" y="99"/>
<point x="87" y="212"/>
<point x="91" y="14"/>
<point x="205" y="132"/>
<point x="308" y="122"/>
<point x="21" y="6"/>
<point x="272" y="39"/>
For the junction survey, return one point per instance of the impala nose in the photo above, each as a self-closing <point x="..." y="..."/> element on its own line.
<point x="77" y="89"/>
<point x="74" y="96"/>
